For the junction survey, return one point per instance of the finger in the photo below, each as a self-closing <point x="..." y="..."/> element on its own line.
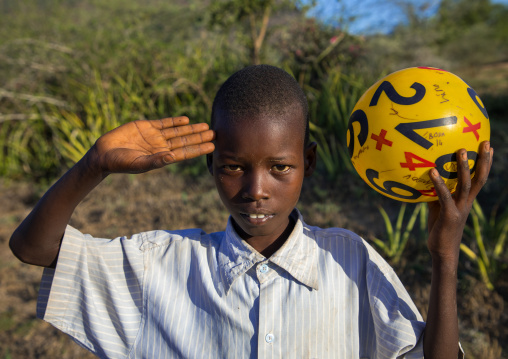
<point x="170" y="122"/>
<point x="190" y="140"/>
<point x="443" y="193"/>
<point x="185" y="153"/>
<point x="434" y="208"/>
<point x="463" y="177"/>
<point x="173" y="132"/>
<point x="483" y="166"/>
<point x="161" y="159"/>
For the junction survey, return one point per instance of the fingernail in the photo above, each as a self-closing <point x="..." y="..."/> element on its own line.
<point x="464" y="156"/>
<point x="433" y="172"/>
<point x="487" y="146"/>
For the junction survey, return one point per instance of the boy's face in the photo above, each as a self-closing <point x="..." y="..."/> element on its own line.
<point x="259" y="166"/>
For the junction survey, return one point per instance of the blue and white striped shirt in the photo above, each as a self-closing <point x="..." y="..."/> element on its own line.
<point x="187" y="294"/>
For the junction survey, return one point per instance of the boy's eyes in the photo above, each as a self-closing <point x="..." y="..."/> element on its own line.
<point x="281" y="168"/>
<point x="232" y="168"/>
<point x="275" y="168"/>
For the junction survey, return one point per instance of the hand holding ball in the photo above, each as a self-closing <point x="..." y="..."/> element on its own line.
<point x="409" y="122"/>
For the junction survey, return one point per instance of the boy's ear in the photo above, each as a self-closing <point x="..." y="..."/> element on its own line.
<point x="310" y="158"/>
<point x="209" y="162"/>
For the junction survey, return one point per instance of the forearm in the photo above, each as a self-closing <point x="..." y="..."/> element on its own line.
<point x="442" y="334"/>
<point x="37" y="239"/>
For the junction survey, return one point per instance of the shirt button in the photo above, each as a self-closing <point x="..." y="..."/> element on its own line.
<point x="269" y="338"/>
<point x="263" y="268"/>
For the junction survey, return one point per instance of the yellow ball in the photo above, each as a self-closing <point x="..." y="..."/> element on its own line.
<point x="409" y="122"/>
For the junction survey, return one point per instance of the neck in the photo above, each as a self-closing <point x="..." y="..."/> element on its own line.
<point x="267" y="246"/>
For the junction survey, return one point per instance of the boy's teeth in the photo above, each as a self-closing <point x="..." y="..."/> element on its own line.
<point x="256" y="215"/>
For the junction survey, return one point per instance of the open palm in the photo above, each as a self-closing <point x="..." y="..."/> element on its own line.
<point x="144" y="145"/>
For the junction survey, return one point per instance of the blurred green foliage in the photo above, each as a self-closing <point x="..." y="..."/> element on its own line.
<point x="87" y="66"/>
<point x="487" y="243"/>
<point x="74" y="70"/>
<point x="71" y="70"/>
<point x="396" y="238"/>
<point x="462" y="33"/>
<point x="248" y="17"/>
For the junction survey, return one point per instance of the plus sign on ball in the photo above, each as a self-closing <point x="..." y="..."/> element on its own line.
<point x="411" y="121"/>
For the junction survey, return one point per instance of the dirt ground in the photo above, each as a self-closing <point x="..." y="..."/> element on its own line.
<point x="126" y="204"/>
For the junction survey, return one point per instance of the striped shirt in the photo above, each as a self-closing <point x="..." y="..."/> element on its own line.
<point x="188" y="294"/>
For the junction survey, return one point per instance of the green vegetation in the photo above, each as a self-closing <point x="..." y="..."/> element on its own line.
<point x="396" y="238"/>
<point x="487" y="246"/>
<point x="6" y="321"/>
<point x="73" y="70"/>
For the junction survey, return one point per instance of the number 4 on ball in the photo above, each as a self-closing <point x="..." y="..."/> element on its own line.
<point x="412" y="165"/>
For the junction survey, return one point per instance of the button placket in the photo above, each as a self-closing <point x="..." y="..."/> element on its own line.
<point x="263" y="268"/>
<point x="263" y="272"/>
<point x="269" y="325"/>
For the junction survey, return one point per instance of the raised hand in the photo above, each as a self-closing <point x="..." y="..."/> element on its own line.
<point x="447" y="217"/>
<point x="141" y="146"/>
<point x="134" y="147"/>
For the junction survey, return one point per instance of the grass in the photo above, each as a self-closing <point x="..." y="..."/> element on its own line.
<point x="398" y="235"/>
<point x="488" y="246"/>
<point x="74" y="71"/>
<point x="7" y="321"/>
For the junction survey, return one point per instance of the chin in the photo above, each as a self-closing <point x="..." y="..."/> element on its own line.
<point x="258" y="229"/>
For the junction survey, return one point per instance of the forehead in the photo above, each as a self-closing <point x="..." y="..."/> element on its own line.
<point x="292" y="117"/>
<point x="260" y="135"/>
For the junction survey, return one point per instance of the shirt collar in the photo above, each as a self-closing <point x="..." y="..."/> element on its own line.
<point x="298" y="255"/>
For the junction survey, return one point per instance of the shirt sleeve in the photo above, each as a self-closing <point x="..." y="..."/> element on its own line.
<point x="95" y="292"/>
<point x="398" y="324"/>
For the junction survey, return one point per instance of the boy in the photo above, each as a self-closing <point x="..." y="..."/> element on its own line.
<point x="270" y="285"/>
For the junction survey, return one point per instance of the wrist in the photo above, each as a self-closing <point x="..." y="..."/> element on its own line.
<point x="90" y="165"/>
<point x="447" y="254"/>
<point x="445" y="263"/>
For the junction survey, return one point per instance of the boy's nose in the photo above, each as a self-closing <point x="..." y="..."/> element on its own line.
<point x="255" y="186"/>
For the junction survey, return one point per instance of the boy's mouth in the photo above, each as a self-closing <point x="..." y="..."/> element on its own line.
<point x="254" y="215"/>
<point x="257" y="218"/>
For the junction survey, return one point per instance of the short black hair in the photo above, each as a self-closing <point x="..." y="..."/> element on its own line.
<point x="260" y="90"/>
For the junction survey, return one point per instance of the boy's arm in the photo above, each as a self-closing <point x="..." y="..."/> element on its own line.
<point x="447" y="218"/>
<point x="135" y="147"/>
